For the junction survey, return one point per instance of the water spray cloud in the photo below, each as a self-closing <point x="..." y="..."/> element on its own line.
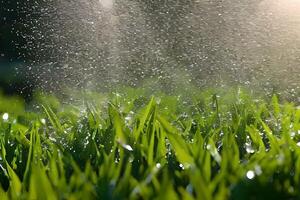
<point x="99" y="42"/>
<point x="107" y="4"/>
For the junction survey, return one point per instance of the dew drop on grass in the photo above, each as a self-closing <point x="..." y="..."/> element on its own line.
<point x="5" y="116"/>
<point x="3" y="169"/>
<point x="86" y="143"/>
<point x="127" y="147"/>
<point x="292" y="134"/>
<point x="249" y="148"/>
<point x="158" y="165"/>
<point x="52" y="139"/>
<point x="208" y="147"/>
<point x="128" y="119"/>
<point x="131" y="159"/>
<point x="250" y="174"/>
<point x="43" y="121"/>
<point x="221" y="134"/>
<point x="181" y="166"/>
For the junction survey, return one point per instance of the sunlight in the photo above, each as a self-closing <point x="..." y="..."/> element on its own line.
<point x="287" y="7"/>
<point x="108" y="4"/>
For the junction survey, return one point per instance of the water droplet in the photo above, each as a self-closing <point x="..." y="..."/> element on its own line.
<point x="258" y="170"/>
<point x="250" y="174"/>
<point x="208" y="147"/>
<point x="128" y="118"/>
<point x="131" y="159"/>
<point x="86" y="143"/>
<point x="52" y="139"/>
<point x="249" y="148"/>
<point x="5" y="116"/>
<point x="181" y="166"/>
<point x="43" y="121"/>
<point x="127" y="147"/>
<point x="292" y="134"/>
<point x="158" y="165"/>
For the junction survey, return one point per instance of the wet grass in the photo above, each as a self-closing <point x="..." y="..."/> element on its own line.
<point x="213" y="145"/>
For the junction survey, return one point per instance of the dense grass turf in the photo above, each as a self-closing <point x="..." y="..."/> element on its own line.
<point x="208" y="145"/>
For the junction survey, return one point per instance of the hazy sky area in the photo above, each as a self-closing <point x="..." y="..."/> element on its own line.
<point x="99" y="43"/>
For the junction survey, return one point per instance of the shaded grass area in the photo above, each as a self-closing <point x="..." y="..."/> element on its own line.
<point x="208" y="145"/>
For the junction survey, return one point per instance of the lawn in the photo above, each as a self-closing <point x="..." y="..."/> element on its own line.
<point x="208" y="144"/>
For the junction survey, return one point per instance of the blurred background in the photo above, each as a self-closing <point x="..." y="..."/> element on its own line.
<point x="13" y="55"/>
<point x="97" y="44"/>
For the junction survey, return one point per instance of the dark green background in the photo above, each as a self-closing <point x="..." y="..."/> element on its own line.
<point x="13" y="55"/>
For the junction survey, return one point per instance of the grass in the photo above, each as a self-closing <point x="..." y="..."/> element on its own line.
<point x="207" y="145"/>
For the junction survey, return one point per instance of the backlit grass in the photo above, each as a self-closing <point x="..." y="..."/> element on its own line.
<point x="210" y="145"/>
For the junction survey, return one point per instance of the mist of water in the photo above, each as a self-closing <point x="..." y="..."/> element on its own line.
<point x="108" y="4"/>
<point x="100" y="43"/>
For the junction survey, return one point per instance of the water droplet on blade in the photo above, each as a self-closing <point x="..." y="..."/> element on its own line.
<point x="127" y="147"/>
<point x="250" y="174"/>
<point x="5" y="117"/>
